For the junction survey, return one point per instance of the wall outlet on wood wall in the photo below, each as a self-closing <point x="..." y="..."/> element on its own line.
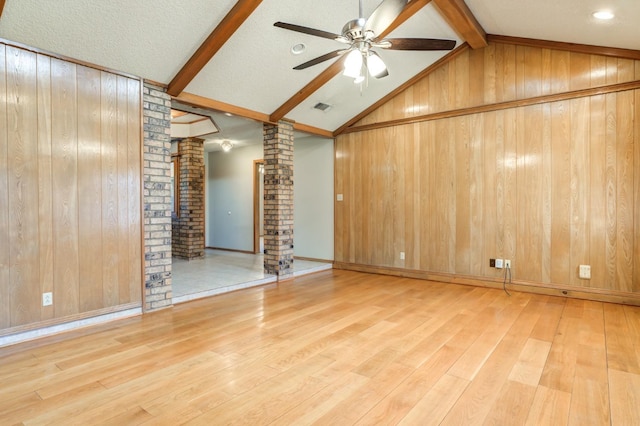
<point x="47" y="299"/>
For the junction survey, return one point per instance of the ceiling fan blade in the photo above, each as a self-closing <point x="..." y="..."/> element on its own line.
<point x="384" y="15"/>
<point x="307" y="30"/>
<point x="418" y="44"/>
<point x="322" y="58"/>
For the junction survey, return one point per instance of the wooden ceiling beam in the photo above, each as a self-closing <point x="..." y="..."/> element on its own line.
<point x="212" y="104"/>
<point x="229" y="24"/>
<point x="302" y="94"/>
<point x="334" y="69"/>
<point x="461" y="19"/>
<point x="1" y="7"/>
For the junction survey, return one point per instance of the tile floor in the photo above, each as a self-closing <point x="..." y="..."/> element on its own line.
<point x="223" y="271"/>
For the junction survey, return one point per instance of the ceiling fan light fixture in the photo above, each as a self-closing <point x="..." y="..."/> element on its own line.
<point x="376" y="65"/>
<point x="353" y="64"/>
<point x="226" y="145"/>
<point x="603" y="15"/>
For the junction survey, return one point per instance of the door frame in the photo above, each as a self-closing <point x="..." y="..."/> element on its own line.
<point x="256" y="203"/>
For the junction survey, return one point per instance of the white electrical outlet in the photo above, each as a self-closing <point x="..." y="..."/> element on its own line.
<point x="47" y="299"/>
<point x="339" y="197"/>
<point x="507" y="263"/>
<point x="498" y="263"/>
<point x="401" y="255"/>
<point x="585" y="272"/>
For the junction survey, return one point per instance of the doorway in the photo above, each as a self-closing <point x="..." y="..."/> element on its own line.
<point x="258" y="206"/>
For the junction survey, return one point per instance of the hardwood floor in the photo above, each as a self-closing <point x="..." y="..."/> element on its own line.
<point x="341" y="348"/>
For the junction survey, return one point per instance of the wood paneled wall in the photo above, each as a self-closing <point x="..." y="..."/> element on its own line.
<point x="549" y="186"/>
<point x="70" y="175"/>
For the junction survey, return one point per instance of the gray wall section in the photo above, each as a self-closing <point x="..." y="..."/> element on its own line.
<point x="313" y="197"/>
<point x="229" y="188"/>
<point x="230" y="193"/>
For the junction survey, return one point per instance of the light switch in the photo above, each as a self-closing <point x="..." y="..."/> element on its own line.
<point x="339" y="197"/>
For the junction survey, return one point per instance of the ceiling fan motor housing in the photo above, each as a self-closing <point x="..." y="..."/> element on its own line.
<point x="353" y="29"/>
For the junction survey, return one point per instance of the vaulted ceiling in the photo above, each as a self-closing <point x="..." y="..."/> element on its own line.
<point x="227" y="54"/>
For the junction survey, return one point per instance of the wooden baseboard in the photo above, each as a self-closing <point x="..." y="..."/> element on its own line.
<point x="598" y="295"/>
<point x="232" y="250"/>
<point x="69" y="319"/>
<point x="312" y="259"/>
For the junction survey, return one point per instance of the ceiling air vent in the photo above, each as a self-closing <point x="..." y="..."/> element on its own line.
<point x="321" y="106"/>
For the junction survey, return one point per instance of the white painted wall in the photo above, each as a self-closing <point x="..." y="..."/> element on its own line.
<point x="229" y="188"/>
<point x="313" y="197"/>
<point x="207" y="203"/>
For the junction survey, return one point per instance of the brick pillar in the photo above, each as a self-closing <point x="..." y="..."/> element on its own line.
<point x="157" y="197"/>
<point x="188" y="227"/>
<point x="278" y="199"/>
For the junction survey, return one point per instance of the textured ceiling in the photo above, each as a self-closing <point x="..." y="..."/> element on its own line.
<point x="568" y="21"/>
<point x="253" y="69"/>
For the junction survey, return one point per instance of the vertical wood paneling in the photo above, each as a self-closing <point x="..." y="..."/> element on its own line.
<point x="45" y="189"/>
<point x="340" y="213"/>
<point x="511" y="188"/>
<point x="368" y="206"/>
<point x="490" y="74"/>
<point x="386" y="249"/>
<point x="5" y="299"/>
<point x="611" y="191"/>
<point x="64" y="155"/>
<point x="490" y="183"/>
<point x="529" y="175"/>
<point x="532" y="72"/>
<point x="123" y="193"/>
<point x="597" y="184"/>
<point x="495" y="188"/>
<point x="561" y="194"/>
<point x="89" y="190"/>
<point x="476" y="193"/>
<point x="509" y="73"/>
<point x="476" y="85"/>
<point x="624" y="167"/>
<point x="134" y="191"/>
<point x="549" y="186"/>
<point x="109" y="158"/>
<point x="598" y="192"/>
<point x="412" y="232"/>
<point x="499" y="72"/>
<point x="462" y="192"/>
<point x="426" y="167"/>
<point x="636" y="191"/>
<point x="24" y="279"/>
<point x="56" y="129"/>
<point x="348" y="203"/>
<point x="580" y="66"/>
<point x="579" y="184"/>
<point x="560" y="71"/>
<point x="398" y="199"/>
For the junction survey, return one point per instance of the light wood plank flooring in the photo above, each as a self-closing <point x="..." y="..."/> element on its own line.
<point x="338" y="348"/>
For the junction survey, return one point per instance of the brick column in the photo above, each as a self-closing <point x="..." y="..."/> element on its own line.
<point x="157" y="197"/>
<point x="188" y="227"/>
<point x="278" y="199"/>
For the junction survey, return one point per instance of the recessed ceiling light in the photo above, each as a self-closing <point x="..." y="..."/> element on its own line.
<point x="603" y="14"/>
<point x="297" y="49"/>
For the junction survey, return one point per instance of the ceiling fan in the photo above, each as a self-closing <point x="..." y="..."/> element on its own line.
<point x="363" y="35"/>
